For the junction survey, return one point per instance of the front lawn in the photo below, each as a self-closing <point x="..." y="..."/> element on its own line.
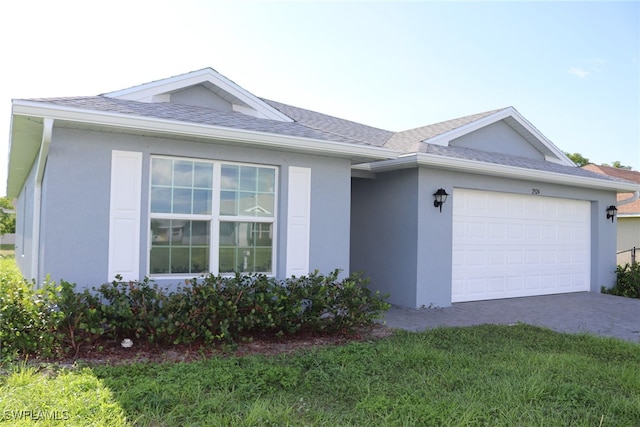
<point x="487" y="375"/>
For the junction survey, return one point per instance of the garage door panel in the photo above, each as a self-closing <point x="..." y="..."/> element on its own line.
<point x="550" y="281"/>
<point x="509" y="245"/>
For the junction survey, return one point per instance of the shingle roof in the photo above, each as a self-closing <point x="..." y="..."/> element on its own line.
<point x="200" y="115"/>
<point x="626" y="174"/>
<point x="333" y="125"/>
<point x="410" y="141"/>
<point x="507" y="160"/>
<point x="310" y="124"/>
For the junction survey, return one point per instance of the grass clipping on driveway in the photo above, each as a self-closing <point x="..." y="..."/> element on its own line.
<point x="485" y="375"/>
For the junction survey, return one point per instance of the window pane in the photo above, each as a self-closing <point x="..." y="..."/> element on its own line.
<point x="262" y="260"/>
<point x="229" y="177"/>
<point x="173" y="184"/>
<point x="228" y="203"/>
<point x="160" y="231"/>
<point x="247" y="205"/>
<point x="180" y="260"/>
<point x="200" y="260"/>
<point x="245" y="247"/>
<point x="161" y="172"/>
<point x="160" y="199"/>
<point x="262" y="235"/>
<point x="202" y="202"/>
<point x="200" y="233"/>
<point x="181" y="200"/>
<point x="179" y="246"/>
<point x="248" y="178"/>
<point x="183" y="173"/>
<point x="266" y="180"/>
<point x="266" y="202"/>
<point x="159" y="260"/>
<point x="203" y="175"/>
<point x="227" y="260"/>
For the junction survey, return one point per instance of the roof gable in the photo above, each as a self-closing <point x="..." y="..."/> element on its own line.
<point x="414" y="140"/>
<point x="191" y="88"/>
<point x="498" y="137"/>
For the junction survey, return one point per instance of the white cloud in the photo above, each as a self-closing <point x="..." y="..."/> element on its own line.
<point x="578" y="72"/>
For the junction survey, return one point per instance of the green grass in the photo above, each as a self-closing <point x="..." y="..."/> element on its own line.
<point x="485" y="375"/>
<point x="7" y="251"/>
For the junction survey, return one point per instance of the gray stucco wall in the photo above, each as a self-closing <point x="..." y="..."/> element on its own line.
<point x="433" y="230"/>
<point x="498" y="137"/>
<point x="384" y="233"/>
<point x="200" y="96"/>
<point x="76" y="201"/>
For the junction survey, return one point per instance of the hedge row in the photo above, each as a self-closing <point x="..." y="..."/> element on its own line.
<point x="58" y="319"/>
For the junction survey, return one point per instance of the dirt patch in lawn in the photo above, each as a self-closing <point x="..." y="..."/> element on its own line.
<point x="113" y="353"/>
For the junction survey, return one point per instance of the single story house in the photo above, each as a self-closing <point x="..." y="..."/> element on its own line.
<point x="194" y="174"/>
<point x="628" y="213"/>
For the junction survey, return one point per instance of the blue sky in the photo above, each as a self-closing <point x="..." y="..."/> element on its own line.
<point x="571" y="68"/>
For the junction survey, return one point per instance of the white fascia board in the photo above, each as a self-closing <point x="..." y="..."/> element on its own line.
<point x="561" y="158"/>
<point x="513" y="172"/>
<point x="445" y="138"/>
<point x="146" y="92"/>
<point x="150" y="124"/>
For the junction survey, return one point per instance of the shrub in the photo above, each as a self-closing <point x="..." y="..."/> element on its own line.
<point x="627" y="281"/>
<point x="81" y="321"/>
<point x="204" y="309"/>
<point x="133" y="309"/>
<point x="327" y="303"/>
<point x="27" y="319"/>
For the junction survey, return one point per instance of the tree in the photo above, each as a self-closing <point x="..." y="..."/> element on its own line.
<point x="618" y="165"/>
<point x="7" y="216"/>
<point x="578" y="159"/>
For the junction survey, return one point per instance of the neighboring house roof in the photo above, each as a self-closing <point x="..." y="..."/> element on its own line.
<point x="157" y="108"/>
<point x="627" y="209"/>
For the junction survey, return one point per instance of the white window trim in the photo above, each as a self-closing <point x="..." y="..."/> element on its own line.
<point x="215" y="218"/>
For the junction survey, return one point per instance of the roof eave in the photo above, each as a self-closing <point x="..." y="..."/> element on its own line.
<point x="361" y="153"/>
<point x="492" y="169"/>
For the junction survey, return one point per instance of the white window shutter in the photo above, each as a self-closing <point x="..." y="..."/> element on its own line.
<point x="298" y="221"/>
<point x="124" y="215"/>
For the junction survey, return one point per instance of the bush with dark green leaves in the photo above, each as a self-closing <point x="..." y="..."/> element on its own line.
<point x="210" y="308"/>
<point x="627" y="281"/>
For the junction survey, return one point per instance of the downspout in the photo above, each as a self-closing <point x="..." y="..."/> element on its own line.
<point x="47" y="131"/>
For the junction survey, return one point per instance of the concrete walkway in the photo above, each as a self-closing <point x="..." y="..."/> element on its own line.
<point x="581" y="312"/>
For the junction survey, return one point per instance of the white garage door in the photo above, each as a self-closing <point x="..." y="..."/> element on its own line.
<point x="510" y="245"/>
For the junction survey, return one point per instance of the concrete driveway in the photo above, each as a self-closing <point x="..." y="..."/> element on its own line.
<point x="580" y="312"/>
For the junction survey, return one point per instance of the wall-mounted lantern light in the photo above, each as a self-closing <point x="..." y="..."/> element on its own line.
<point x="611" y="212"/>
<point x="441" y="197"/>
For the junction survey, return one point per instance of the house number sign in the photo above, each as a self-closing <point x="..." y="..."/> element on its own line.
<point x="535" y="191"/>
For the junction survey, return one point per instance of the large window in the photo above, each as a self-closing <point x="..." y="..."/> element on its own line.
<point x="211" y="217"/>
